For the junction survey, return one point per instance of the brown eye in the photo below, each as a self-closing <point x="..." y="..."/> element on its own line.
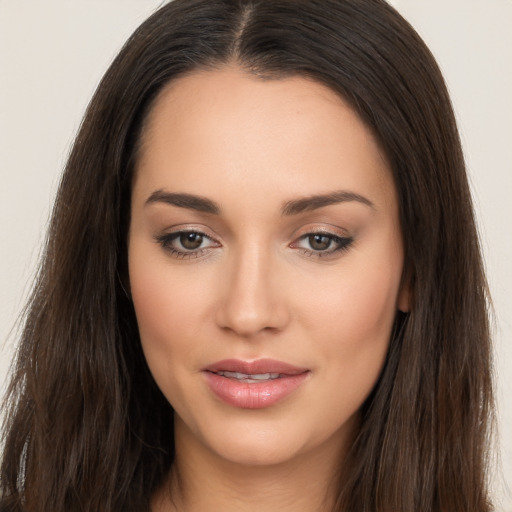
<point x="322" y="244"/>
<point x="185" y="245"/>
<point x="191" y="241"/>
<point x="319" y="242"/>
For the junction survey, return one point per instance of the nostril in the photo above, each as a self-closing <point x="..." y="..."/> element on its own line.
<point x="248" y="319"/>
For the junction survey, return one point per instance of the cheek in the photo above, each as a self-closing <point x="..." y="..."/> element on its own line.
<point x="360" y="301"/>
<point x="167" y="306"/>
<point x="351" y="319"/>
<point x="351" y="344"/>
<point x="167" y="317"/>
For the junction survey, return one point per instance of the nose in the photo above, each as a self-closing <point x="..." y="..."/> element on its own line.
<point x="252" y="299"/>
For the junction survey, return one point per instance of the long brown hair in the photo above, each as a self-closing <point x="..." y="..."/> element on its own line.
<point x="87" y="428"/>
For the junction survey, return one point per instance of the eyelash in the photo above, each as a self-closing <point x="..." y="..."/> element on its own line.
<point x="166" y="240"/>
<point x="341" y="244"/>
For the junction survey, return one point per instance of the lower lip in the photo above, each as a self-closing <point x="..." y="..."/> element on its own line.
<point x="253" y="395"/>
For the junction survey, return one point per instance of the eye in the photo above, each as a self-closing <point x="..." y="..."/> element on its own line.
<point x="190" y="241"/>
<point x="186" y="244"/>
<point x="322" y="244"/>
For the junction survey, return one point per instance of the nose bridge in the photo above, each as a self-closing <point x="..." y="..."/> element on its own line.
<point x="251" y="302"/>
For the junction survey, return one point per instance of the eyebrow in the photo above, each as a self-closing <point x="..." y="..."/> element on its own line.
<point x="310" y="203"/>
<point x="294" y="207"/>
<point x="182" y="200"/>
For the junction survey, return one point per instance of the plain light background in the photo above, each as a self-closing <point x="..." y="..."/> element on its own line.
<point x="54" y="52"/>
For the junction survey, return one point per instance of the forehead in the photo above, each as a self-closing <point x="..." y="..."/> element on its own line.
<point x="227" y="126"/>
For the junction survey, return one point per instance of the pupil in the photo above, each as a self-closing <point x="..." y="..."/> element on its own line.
<point x="191" y="240"/>
<point x="319" y="242"/>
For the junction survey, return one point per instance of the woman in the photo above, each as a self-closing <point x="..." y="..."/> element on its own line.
<point x="275" y="299"/>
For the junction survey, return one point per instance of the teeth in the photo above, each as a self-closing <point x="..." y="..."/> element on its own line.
<point x="252" y="378"/>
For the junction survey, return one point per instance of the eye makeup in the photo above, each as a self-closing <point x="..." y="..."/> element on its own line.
<point x="193" y="244"/>
<point x="321" y="244"/>
<point x="186" y="244"/>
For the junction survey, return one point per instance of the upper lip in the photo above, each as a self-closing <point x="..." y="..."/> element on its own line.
<point x="257" y="367"/>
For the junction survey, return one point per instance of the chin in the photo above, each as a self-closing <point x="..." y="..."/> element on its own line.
<point x="262" y="452"/>
<point x="267" y="442"/>
<point x="246" y="441"/>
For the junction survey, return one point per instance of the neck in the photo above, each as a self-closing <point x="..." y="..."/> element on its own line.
<point x="202" y="480"/>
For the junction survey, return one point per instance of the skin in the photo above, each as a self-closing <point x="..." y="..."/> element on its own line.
<point x="256" y="287"/>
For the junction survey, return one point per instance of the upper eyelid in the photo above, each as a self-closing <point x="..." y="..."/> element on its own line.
<point x="175" y="234"/>
<point x="177" y="230"/>
<point x="301" y="233"/>
<point x="333" y="231"/>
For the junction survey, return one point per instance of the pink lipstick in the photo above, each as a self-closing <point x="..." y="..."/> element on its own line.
<point x="253" y="384"/>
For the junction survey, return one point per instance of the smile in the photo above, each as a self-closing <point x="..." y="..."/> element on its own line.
<point x="253" y="385"/>
<point x="250" y="379"/>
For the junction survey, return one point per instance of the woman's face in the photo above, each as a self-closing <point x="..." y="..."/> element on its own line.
<point x="264" y="243"/>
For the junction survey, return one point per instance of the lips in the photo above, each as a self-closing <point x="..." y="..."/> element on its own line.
<point x="253" y="384"/>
